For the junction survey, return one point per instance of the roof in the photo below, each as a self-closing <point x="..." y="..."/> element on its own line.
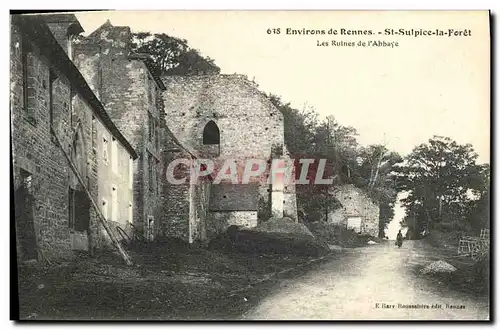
<point x="227" y="197"/>
<point x="103" y="26"/>
<point x="64" y="18"/>
<point x="35" y="29"/>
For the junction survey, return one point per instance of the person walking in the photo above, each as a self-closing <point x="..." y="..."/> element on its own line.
<point x="399" y="239"/>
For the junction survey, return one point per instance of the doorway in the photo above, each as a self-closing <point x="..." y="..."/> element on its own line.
<point x="24" y="203"/>
<point x="354" y="223"/>
<point x="79" y="202"/>
<point x="79" y="210"/>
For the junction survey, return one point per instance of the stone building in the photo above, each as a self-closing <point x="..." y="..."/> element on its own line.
<point x="184" y="206"/>
<point x="67" y="153"/>
<point x="123" y="126"/>
<point x="144" y="108"/>
<point x="131" y="93"/>
<point x="225" y="117"/>
<point x="357" y="211"/>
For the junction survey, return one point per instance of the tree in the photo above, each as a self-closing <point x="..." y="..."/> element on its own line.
<point x="438" y="177"/>
<point x="370" y="168"/>
<point x="338" y="144"/>
<point x="304" y="138"/>
<point x="171" y="55"/>
<point x="479" y="206"/>
<point x="299" y="126"/>
<point x="375" y="174"/>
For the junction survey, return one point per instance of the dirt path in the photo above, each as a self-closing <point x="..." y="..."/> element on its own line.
<point x="351" y="288"/>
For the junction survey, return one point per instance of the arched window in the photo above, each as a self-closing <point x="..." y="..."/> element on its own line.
<point x="211" y="134"/>
<point x="78" y="156"/>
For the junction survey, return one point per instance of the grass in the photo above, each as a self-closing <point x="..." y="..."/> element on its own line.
<point x="267" y="243"/>
<point x="169" y="280"/>
<point x="471" y="276"/>
<point x="338" y="235"/>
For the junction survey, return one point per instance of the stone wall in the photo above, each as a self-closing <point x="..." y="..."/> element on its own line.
<point x="290" y="203"/>
<point x="199" y="214"/>
<point x="133" y="100"/>
<point x="64" y="28"/>
<point x="113" y="179"/>
<point x="175" y="199"/>
<point x="86" y="58"/>
<point x="357" y="204"/>
<point x="34" y="151"/>
<point x="51" y="101"/>
<point x="249" y="125"/>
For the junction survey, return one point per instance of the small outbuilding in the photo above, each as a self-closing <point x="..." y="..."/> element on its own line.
<point x="358" y="211"/>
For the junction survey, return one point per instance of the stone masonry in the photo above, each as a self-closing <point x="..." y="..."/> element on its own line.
<point x="108" y="108"/>
<point x="131" y="94"/>
<point x="131" y="91"/>
<point x="49" y="99"/>
<point x="355" y="203"/>
<point x="249" y="126"/>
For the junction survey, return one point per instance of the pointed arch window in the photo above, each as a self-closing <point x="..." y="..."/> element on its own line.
<point x="78" y="153"/>
<point x="211" y="134"/>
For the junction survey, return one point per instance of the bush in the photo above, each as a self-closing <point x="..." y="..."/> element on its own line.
<point x="338" y="235"/>
<point x="315" y="217"/>
<point x="327" y="232"/>
<point x="261" y="243"/>
<point x="283" y="225"/>
<point x="446" y="239"/>
<point x="482" y="268"/>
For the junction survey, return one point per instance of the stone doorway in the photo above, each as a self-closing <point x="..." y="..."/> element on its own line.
<point x="354" y="223"/>
<point x="79" y="202"/>
<point x="24" y="202"/>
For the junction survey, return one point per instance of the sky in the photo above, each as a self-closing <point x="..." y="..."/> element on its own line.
<point x="399" y="96"/>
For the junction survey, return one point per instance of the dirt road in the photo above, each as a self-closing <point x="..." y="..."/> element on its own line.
<point x="371" y="283"/>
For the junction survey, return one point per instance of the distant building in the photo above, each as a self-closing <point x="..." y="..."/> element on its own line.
<point x="358" y="211"/>
<point x="54" y="113"/>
